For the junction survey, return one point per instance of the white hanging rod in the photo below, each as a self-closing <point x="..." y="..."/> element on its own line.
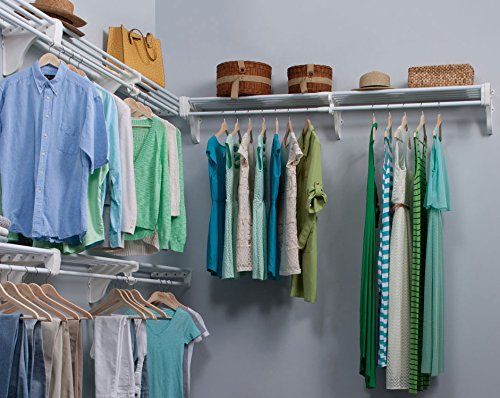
<point x="326" y="109"/>
<point x="420" y="105"/>
<point x="129" y="279"/>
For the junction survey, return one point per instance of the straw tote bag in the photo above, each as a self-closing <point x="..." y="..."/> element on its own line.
<point x="142" y="53"/>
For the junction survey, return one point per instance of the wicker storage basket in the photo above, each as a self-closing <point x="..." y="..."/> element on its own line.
<point x="440" y="75"/>
<point x="242" y="78"/>
<point x="309" y="78"/>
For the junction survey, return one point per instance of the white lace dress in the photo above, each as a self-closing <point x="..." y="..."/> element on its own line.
<point x="398" y="349"/>
<point x="244" y="228"/>
<point x="288" y="209"/>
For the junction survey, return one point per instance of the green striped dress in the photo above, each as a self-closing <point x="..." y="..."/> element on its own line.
<point x="418" y="381"/>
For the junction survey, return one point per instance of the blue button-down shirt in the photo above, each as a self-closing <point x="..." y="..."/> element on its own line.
<point x="114" y="185"/>
<point x="52" y="135"/>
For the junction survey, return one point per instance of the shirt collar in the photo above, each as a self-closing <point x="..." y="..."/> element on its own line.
<point x="41" y="81"/>
<point x="305" y="140"/>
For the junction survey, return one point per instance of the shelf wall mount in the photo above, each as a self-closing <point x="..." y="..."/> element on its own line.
<point x="17" y="41"/>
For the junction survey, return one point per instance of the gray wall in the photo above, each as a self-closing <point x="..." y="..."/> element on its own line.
<point x="264" y="344"/>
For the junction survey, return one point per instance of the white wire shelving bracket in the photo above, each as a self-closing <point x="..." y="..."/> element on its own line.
<point x="334" y="103"/>
<point x="24" y="26"/>
<point x="20" y="260"/>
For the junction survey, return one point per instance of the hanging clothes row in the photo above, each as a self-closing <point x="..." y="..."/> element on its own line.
<point x="97" y="172"/>
<point x="403" y="286"/>
<point x="264" y="211"/>
<point x="145" y="353"/>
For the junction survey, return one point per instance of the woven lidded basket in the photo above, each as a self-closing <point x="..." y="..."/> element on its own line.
<point x="309" y="78"/>
<point x="440" y="75"/>
<point x="243" y="78"/>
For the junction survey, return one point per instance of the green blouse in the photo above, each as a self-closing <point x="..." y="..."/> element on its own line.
<point x="310" y="201"/>
<point x="152" y="182"/>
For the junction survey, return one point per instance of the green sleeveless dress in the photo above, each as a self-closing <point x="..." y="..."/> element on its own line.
<point x="417" y="381"/>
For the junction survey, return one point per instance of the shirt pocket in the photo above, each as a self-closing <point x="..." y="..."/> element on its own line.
<point x="68" y="139"/>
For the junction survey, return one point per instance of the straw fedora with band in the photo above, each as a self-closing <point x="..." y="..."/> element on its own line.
<point x="64" y="10"/>
<point x="374" y="81"/>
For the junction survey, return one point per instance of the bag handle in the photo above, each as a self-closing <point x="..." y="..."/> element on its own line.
<point x="145" y="41"/>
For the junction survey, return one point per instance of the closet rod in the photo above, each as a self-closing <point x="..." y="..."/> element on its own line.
<point x="44" y="271"/>
<point x="324" y="109"/>
<point x="102" y="71"/>
<point x="413" y="105"/>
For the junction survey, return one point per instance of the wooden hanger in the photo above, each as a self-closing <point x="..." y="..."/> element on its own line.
<point x="128" y="295"/>
<point x="27" y="292"/>
<point x="42" y="296"/>
<point x="73" y="68"/>
<point x="51" y="292"/>
<point x="289" y="129"/>
<point x="114" y="300"/>
<point x="374" y="122"/>
<point x="146" y="110"/>
<point x="20" y="306"/>
<point x="223" y="128"/>
<point x="308" y="125"/>
<point x="263" y="129"/>
<point x="139" y="298"/>
<point x="174" y="299"/>
<point x="236" y="130"/>
<point x="49" y="59"/>
<point x="250" y="127"/>
<point x="401" y="127"/>
<point x="388" y="129"/>
<point x="11" y="289"/>
<point x="421" y="124"/>
<point x="138" y="109"/>
<point x="165" y="299"/>
<point x="438" y="128"/>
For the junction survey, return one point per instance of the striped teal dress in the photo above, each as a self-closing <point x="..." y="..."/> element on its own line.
<point x="384" y="250"/>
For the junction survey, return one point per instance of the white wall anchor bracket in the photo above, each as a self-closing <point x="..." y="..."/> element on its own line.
<point x="185" y="109"/>
<point x="195" y="127"/>
<point x="17" y="41"/>
<point x="486" y="98"/>
<point x="337" y="117"/>
<point x="112" y="85"/>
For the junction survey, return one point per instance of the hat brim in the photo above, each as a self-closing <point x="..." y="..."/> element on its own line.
<point x="75" y="20"/>
<point x="372" y="88"/>
<point x="73" y="29"/>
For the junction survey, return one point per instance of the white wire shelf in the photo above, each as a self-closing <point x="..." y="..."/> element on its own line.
<point x="19" y="260"/>
<point x="24" y="25"/>
<point x="337" y="102"/>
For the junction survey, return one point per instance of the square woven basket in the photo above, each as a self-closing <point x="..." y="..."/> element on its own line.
<point x="440" y="75"/>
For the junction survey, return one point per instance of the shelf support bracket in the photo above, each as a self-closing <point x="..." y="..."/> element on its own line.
<point x="17" y="41"/>
<point x="486" y="97"/>
<point x="195" y="127"/>
<point x="131" y="78"/>
<point x="337" y="117"/>
<point x="185" y="109"/>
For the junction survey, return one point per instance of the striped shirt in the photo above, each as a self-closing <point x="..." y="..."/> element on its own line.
<point x="383" y="253"/>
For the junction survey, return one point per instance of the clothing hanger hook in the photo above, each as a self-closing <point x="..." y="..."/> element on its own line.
<point x="25" y="274"/>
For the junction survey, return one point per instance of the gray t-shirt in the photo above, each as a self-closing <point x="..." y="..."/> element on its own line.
<point x="188" y="350"/>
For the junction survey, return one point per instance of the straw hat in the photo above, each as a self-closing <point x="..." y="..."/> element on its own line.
<point x="374" y="81"/>
<point x="64" y="10"/>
